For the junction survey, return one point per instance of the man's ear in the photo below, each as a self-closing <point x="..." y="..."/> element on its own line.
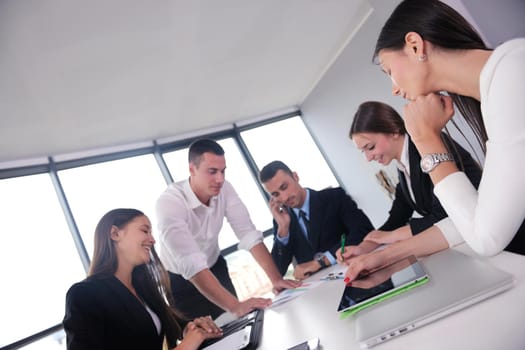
<point x="115" y="233"/>
<point x="193" y="168"/>
<point x="415" y="43"/>
<point x="295" y="176"/>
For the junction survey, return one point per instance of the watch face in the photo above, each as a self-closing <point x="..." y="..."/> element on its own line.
<point x="427" y="163"/>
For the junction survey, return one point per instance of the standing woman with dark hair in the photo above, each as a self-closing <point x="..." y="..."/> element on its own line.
<point x="379" y="132"/>
<point x="426" y="47"/>
<point x="122" y="302"/>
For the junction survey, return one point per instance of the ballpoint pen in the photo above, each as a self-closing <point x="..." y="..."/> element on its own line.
<point x="343" y="238"/>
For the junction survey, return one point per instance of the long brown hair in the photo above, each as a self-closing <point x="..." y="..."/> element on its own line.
<point x="376" y="117"/>
<point x="444" y="27"/>
<point x="150" y="280"/>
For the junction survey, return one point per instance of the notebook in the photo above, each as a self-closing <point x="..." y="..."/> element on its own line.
<point x="456" y="282"/>
<point x="242" y="333"/>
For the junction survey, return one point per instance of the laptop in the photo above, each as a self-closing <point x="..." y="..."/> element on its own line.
<point x="456" y="282"/>
<point x="241" y="333"/>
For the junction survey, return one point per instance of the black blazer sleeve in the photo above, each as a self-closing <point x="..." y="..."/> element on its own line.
<point x="83" y="322"/>
<point x="356" y="224"/>
<point x="401" y="209"/>
<point x="437" y="213"/>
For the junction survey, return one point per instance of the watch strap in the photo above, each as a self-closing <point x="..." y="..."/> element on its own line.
<point x="321" y="262"/>
<point x="431" y="160"/>
<point x="442" y="157"/>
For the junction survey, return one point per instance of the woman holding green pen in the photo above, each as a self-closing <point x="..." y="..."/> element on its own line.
<point x="379" y="132"/>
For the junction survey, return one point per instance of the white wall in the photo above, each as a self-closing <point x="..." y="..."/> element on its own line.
<point x="499" y="20"/>
<point x="329" y="109"/>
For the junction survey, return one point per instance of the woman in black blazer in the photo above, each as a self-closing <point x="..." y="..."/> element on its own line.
<point x="122" y="303"/>
<point x="379" y="132"/>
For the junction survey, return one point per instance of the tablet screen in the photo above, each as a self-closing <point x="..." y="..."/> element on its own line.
<point x="381" y="282"/>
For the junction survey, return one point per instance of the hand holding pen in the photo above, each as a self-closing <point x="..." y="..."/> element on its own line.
<point x="344" y="254"/>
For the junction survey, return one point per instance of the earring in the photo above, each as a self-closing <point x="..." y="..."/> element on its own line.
<point x="422" y="58"/>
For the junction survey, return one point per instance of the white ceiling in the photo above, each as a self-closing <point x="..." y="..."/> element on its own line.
<point x="78" y="75"/>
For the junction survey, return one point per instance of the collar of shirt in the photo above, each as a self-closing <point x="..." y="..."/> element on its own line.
<point x="193" y="200"/>
<point x="305" y="207"/>
<point x="403" y="163"/>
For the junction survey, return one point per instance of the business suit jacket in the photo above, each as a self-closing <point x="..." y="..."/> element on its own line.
<point x="425" y="203"/>
<point x="332" y="214"/>
<point x="101" y="313"/>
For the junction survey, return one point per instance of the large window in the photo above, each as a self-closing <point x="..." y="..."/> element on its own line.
<point x="289" y="141"/>
<point x="39" y="260"/>
<point x="93" y="190"/>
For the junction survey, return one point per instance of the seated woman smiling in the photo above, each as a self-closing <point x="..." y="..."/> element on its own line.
<point x="124" y="303"/>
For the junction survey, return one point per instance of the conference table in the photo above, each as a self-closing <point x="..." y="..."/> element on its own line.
<point x="494" y="323"/>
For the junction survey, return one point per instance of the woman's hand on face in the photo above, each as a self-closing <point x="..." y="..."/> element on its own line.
<point x="426" y="116"/>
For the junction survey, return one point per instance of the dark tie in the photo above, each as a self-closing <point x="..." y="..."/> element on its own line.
<point x="306" y="222"/>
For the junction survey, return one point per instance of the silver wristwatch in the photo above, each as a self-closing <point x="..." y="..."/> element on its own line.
<point x="430" y="161"/>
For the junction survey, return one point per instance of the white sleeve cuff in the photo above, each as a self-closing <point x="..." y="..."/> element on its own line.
<point x="249" y="240"/>
<point x="450" y="232"/>
<point x="190" y="265"/>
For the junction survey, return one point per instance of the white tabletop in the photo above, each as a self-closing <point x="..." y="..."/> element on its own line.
<point x="495" y="323"/>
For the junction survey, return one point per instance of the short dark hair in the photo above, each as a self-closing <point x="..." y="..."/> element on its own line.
<point x="376" y="117"/>
<point x="201" y="146"/>
<point x="270" y="169"/>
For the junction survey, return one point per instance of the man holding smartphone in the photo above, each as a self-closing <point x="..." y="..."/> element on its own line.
<point x="308" y="224"/>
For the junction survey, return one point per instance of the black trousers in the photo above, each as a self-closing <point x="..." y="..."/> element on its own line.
<point x="190" y="302"/>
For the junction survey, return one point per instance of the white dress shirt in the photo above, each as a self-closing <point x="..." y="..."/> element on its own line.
<point x="189" y="230"/>
<point x="488" y="218"/>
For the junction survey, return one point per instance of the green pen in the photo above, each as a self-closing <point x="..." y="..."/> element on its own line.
<point x="343" y="239"/>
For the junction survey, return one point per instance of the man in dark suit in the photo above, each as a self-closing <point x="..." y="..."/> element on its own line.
<point x="308" y="224"/>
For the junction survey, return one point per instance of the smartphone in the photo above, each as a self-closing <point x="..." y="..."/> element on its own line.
<point x="312" y="344"/>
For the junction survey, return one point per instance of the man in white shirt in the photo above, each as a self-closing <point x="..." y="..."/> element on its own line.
<point x="190" y="214"/>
